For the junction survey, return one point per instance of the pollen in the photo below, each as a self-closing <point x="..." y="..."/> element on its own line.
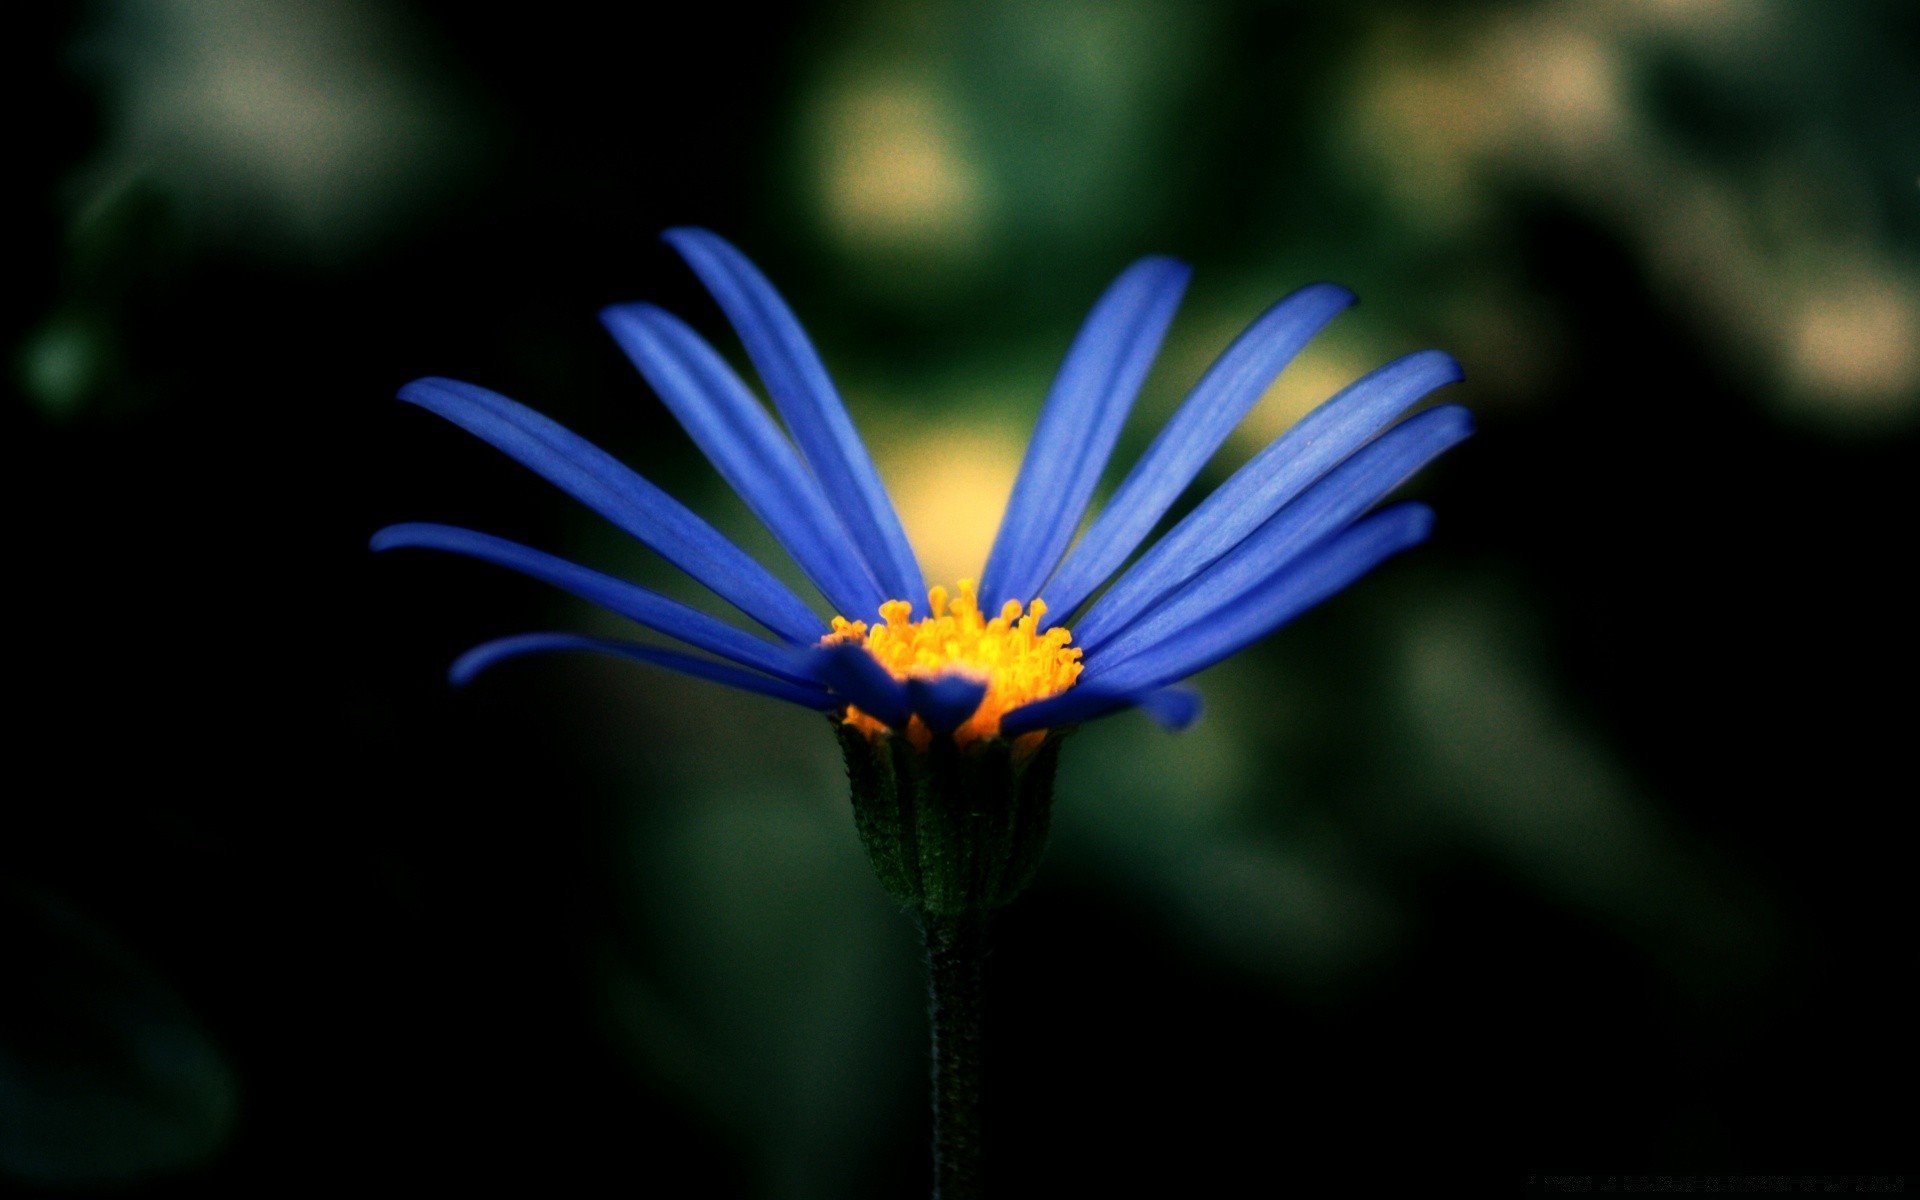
<point x="1018" y="661"/>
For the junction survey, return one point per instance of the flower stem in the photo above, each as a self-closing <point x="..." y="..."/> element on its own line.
<point x="955" y="947"/>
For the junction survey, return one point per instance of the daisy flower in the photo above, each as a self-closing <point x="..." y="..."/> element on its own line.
<point x="1056" y="631"/>
<point x="951" y="704"/>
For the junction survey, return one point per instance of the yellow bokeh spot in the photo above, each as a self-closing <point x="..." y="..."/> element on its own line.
<point x="1017" y="660"/>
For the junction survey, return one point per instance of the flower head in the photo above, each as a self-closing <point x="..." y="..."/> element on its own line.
<point x="1010" y="655"/>
<point x="1013" y="656"/>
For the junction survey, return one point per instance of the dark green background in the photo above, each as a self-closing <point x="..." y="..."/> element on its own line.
<point x="1573" y="841"/>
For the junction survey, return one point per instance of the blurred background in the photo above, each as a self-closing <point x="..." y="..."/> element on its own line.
<point x="1572" y="841"/>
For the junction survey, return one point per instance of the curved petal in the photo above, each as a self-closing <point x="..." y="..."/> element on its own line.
<point x="1336" y="500"/>
<point x="1078" y="426"/>
<point x="606" y="485"/>
<point x="945" y="703"/>
<point x="803" y="393"/>
<point x="860" y="679"/>
<point x="1174" y="708"/>
<point x="741" y="440"/>
<point x="1263" y="486"/>
<point x="487" y="654"/>
<point x="1328" y="568"/>
<point x="629" y="600"/>
<point x="1178" y="452"/>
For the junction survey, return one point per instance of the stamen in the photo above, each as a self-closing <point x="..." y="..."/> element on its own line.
<point x="1017" y="661"/>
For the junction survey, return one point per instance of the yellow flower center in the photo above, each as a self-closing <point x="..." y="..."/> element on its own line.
<point x="1010" y="654"/>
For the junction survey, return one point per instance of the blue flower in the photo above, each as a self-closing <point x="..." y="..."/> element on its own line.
<point x="1290" y="528"/>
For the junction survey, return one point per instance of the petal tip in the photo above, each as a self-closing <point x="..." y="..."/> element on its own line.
<point x="678" y="236"/>
<point x="1333" y="293"/>
<point x="1416" y="521"/>
<point x="1174" y="709"/>
<point x="1446" y="365"/>
<point x="420" y="390"/>
<point x="945" y="703"/>
<point x="627" y="314"/>
<point x="467" y="666"/>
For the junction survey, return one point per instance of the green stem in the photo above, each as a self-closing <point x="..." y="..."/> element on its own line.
<point x="955" y="946"/>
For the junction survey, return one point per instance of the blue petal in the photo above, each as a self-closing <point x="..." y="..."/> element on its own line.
<point x="802" y="392"/>
<point x="860" y="680"/>
<point x="741" y="440"/>
<point x="604" y="484"/>
<point x="629" y="600"/>
<point x="1218" y="402"/>
<point x="1078" y="426"/>
<point x="1328" y="568"/>
<point x="1347" y="491"/>
<point x="1273" y="477"/>
<point x="945" y="703"/>
<point x="486" y="655"/>
<point x="1174" y="708"/>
